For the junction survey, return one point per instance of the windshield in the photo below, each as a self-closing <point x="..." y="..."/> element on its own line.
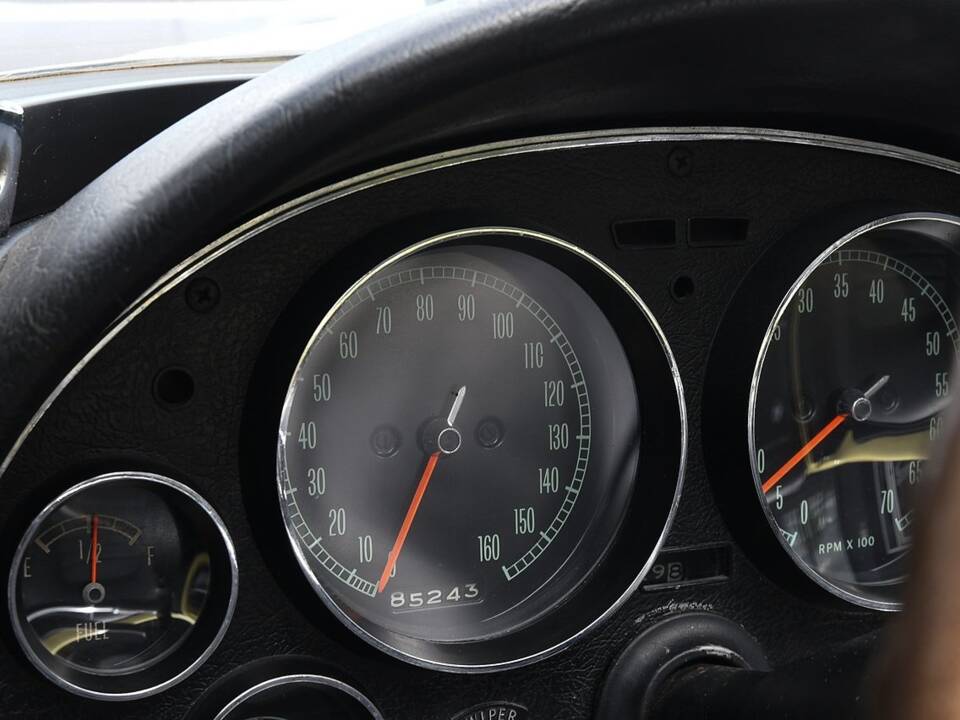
<point x="41" y="34"/>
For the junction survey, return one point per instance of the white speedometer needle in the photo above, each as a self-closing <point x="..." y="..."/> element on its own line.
<point x="422" y="489"/>
<point x="457" y="403"/>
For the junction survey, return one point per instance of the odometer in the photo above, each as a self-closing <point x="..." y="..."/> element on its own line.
<point x="461" y="441"/>
<point x="847" y="396"/>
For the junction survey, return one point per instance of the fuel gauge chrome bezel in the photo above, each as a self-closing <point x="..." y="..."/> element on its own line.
<point x="182" y="662"/>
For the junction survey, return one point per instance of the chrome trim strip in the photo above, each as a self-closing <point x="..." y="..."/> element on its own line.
<point x="304" y="679"/>
<point x="119" y="65"/>
<point x="820" y="580"/>
<point x="28" y="100"/>
<point x="401" y="170"/>
<point x="44" y="90"/>
<point x="297" y="544"/>
<point x="28" y="538"/>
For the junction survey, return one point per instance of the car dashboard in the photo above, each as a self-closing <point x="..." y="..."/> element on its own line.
<point x="506" y="428"/>
<point x="508" y="361"/>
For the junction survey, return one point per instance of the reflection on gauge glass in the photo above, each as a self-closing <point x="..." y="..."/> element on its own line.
<point x="461" y="439"/>
<point x="122" y="585"/>
<point x="300" y="697"/>
<point x="847" y="398"/>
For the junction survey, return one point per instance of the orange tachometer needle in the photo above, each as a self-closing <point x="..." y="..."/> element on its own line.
<point x="94" y="534"/>
<point x="804" y="451"/>
<point x="408" y="520"/>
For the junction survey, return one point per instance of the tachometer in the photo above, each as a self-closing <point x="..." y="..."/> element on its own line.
<point x="461" y="442"/>
<point x="847" y="398"/>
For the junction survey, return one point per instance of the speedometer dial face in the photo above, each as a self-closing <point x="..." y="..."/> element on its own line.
<point x="847" y="399"/>
<point x="459" y="445"/>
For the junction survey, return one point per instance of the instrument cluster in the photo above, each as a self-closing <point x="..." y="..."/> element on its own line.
<point x="481" y="414"/>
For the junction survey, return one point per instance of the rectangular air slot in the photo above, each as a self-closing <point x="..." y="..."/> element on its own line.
<point x="718" y="232"/>
<point x="645" y="234"/>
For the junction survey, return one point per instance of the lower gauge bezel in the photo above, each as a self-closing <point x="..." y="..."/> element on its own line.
<point x="198" y="645"/>
<point x="300" y="681"/>
<point x="847" y="593"/>
<point x="647" y="518"/>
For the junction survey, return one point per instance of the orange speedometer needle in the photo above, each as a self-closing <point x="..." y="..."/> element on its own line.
<point x="94" y="535"/>
<point x="446" y="441"/>
<point x="804" y="451"/>
<point x="408" y="520"/>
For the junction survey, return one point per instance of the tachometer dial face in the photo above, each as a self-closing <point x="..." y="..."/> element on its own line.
<point x="121" y="583"/>
<point x="459" y="444"/>
<point x="847" y="399"/>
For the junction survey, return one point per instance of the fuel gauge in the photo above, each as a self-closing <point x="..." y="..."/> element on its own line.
<point x="123" y="585"/>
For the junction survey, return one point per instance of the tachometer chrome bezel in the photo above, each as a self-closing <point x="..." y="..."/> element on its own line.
<point x="833" y="588"/>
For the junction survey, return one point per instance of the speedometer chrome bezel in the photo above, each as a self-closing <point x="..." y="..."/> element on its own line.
<point x="826" y="584"/>
<point x="523" y="656"/>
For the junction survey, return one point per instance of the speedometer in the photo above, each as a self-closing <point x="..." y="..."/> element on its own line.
<point x="847" y="398"/>
<point x="462" y="441"/>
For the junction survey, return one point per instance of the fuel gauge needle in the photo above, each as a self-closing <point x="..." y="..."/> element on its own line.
<point x="93" y="591"/>
<point x="419" y="493"/>
<point x="94" y="538"/>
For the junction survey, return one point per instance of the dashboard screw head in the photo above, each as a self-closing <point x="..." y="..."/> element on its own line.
<point x="203" y="295"/>
<point x="680" y="162"/>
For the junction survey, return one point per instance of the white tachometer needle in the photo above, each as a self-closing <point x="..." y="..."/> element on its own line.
<point x="858" y="405"/>
<point x="876" y="387"/>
